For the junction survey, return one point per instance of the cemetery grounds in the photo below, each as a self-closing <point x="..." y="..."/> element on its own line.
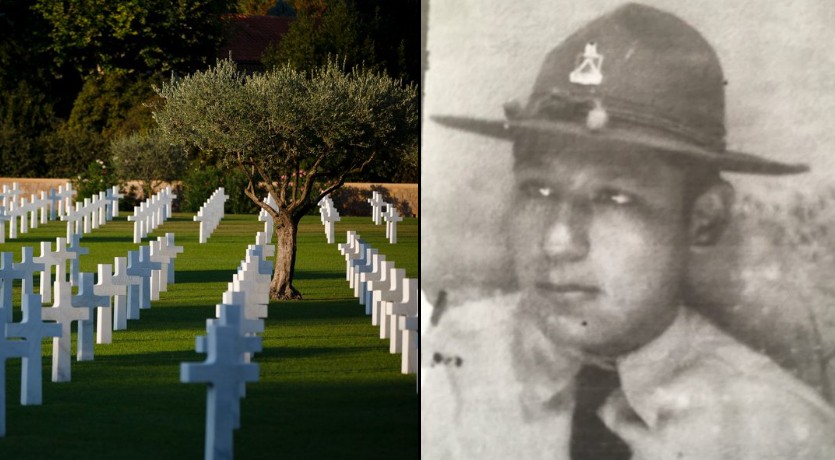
<point x="328" y="386"/>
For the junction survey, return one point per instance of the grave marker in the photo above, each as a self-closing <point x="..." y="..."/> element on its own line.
<point x="121" y="302"/>
<point x="8" y="349"/>
<point x="87" y="299"/>
<point x="32" y="330"/>
<point x="49" y="260"/>
<point x="64" y="314"/>
<point x="224" y="370"/>
<point x="377" y="203"/>
<point x="75" y="262"/>
<point x="106" y="286"/>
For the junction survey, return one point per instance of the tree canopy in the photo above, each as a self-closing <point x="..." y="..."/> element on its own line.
<point x="299" y="133"/>
<point x="142" y="35"/>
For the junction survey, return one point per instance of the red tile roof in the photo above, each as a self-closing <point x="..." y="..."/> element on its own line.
<point x="250" y="36"/>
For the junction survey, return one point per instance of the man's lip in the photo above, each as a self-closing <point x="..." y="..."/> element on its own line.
<point x="567" y="288"/>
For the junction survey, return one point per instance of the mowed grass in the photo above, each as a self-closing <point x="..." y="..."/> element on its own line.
<point x="328" y="386"/>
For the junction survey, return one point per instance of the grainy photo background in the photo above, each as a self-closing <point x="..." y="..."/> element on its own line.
<point x="772" y="281"/>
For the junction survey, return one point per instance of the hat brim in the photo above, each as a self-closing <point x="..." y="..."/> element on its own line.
<point x="726" y="160"/>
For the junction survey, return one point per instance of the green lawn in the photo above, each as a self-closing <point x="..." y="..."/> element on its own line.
<point x="328" y="387"/>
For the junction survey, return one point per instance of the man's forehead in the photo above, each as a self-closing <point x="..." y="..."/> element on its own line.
<point x="599" y="159"/>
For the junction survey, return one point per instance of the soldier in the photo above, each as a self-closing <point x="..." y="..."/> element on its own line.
<point x="617" y="161"/>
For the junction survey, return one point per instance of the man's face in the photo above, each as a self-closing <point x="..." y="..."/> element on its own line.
<point x="600" y="243"/>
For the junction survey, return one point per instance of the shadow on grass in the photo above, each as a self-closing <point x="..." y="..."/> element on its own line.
<point x="309" y="419"/>
<point x="316" y="309"/>
<point x="318" y="275"/>
<point x="204" y="276"/>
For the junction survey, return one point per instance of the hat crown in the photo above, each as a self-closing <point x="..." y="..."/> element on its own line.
<point x="646" y="65"/>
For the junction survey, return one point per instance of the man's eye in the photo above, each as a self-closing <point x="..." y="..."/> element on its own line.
<point x="615" y="197"/>
<point x="534" y="190"/>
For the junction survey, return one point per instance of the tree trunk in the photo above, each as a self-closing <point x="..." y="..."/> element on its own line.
<point x="281" y="287"/>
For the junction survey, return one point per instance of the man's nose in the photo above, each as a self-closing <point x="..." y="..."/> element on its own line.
<point x="566" y="233"/>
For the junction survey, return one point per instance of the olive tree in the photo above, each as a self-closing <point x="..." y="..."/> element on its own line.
<point x="149" y="158"/>
<point x="300" y="134"/>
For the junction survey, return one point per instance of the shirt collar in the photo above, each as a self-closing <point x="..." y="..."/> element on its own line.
<point x="641" y="370"/>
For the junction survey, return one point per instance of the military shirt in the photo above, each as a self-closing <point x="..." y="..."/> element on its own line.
<point x="496" y="388"/>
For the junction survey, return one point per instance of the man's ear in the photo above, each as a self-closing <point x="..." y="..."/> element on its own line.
<point x="710" y="214"/>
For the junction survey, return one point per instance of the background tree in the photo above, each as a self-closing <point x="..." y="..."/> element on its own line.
<point x="138" y="35"/>
<point x="301" y="134"/>
<point x="149" y="158"/>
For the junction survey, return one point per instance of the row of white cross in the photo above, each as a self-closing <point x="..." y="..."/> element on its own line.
<point x="381" y="210"/>
<point x="329" y="217"/>
<point x="93" y="212"/>
<point x="265" y="217"/>
<point x="23" y="214"/>
<point x="389" y="297"/>
<point x="151" y="213"/>
<point x="230" y="341"/>
<point x="210" y="214"/>
<point x="104" y="306"/>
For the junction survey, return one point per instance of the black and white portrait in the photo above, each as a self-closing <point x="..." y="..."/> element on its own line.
<point x="628" y="235"/>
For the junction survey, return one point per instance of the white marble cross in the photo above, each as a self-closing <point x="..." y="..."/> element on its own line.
<point x="262" y="240"/>
<point x="106" y="286"/>
<point x="3" y="219"/>
<point x="210" y="214"/>
<point x="397" y="309"/>
<point x="376" y="287"/>
<point x="392" y="218"/>
<point x="32" y="330"/>
<point x="53" y="198"/>
<point x="376" y="202"/>
<point x="48" y="259"/>
<point x="375" y="274"/>
<point x="348" y="247"/>
<point x="121" y="302"/>
<point x="87" y="298"/>
<point x="64" y="314"/>
<point x="140" y="264"/>
<point x="410" y="337"/>
<point x="62" y="255"/>
<point x="113" y="196"/>
<point x="265" y="217"/>
<point x="363" y="265"/>
<point x="171" y="251"/>
<point x="75" y="262"/>
<point x="8" y="273"/>
<point x="8" y="349"/>
<point x="159" y="278"/>
<point x="224" y="370"/>
<point x="392" y="292"/>
<point x="357" y="259"/>
<point x="330" y="217"/>
<point x="27" y="268"/>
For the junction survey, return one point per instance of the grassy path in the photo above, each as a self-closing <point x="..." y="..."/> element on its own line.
<point x="328" y="386"/>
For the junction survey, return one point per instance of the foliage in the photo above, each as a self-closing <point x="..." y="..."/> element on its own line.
<point x="202" y="181"/>
<point x="158" y="35"/>
<point x="67" y="150"/>
<point x="301" y="134"/>
<point x="376" y="33"/>
<point x="149" y="158"/>
<point x="198" y="186"/>
<point x="95" y="179"/>
<point x="114" y="103"/>
<point x="24" y="114"/>
<point x="318" y="33"/>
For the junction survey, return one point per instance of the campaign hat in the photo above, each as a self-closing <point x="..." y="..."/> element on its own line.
<point x="636" y="75"/>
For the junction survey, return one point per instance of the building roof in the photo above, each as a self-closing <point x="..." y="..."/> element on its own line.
<point x="250" y="36"/>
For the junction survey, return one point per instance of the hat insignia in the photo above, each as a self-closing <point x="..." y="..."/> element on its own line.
<point x="588" y="67"/>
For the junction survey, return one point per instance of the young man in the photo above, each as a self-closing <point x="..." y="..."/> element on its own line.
<point x="616" y="169"/>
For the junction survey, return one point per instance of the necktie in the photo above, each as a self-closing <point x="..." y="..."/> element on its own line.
<point x="590" y="439"/>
